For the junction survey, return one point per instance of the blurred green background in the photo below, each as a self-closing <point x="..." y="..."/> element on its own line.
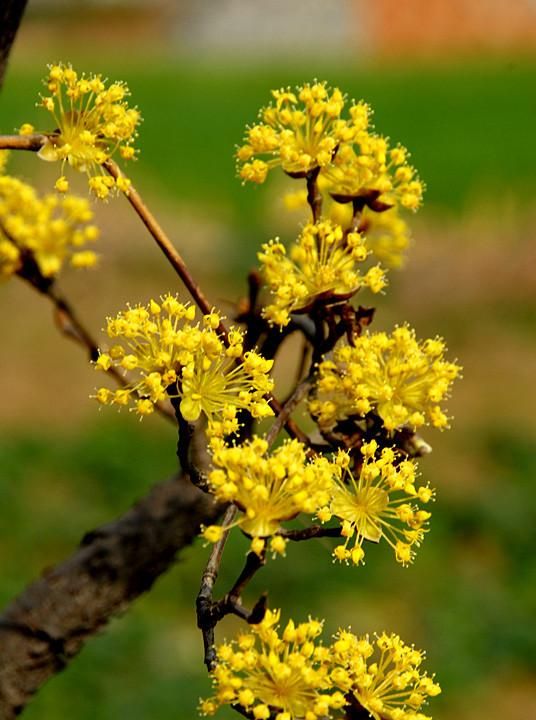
<point x="65" y="467"/>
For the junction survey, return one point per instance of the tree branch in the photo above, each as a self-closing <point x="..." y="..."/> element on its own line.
<point x="11" y="12"/>
<point x="43" y="629"/>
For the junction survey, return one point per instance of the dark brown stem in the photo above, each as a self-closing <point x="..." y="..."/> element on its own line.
<point x="283" y="416"/>
<point x="357" y="209"/>
<point x="204" y="603"/>
<point x="314" y="531"/>
<point x="314" y="198"/>
<point x="186" y="437"/>
<point x="254" y="563"/>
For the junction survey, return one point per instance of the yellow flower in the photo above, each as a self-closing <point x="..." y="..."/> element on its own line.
<point x="47" y="231"/>
<point x="399" y="378"/>
<point x="304" y="131"/>
<point x="323" y="264"/>
<point x="386" y="235"/>
<point x="369" y="170"/>
<point x="300" y="131"/>
<point x="92" y="123"/>
<point x="174" y="356"/>
<point x="272" y="674"/>
<point x="380" y="504"/>
<point x="267" y="488"/>
<point x="383" y="675"/>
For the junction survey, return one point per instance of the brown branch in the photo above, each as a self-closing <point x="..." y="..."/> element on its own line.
<point x="33" y="143"/>
<point x="165" y="244"/>
<point x="11" y="12"/>
<point x="48" y="624"/>
<point x="284" y="412"/>
<point x="206" y="621"/>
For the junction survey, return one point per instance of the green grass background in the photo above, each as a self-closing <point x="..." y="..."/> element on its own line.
<point x="470" y="598"/>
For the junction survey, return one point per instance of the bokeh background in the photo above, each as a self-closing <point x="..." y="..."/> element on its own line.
<point x="455" y="83"/>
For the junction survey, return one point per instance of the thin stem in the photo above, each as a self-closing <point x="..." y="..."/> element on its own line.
<point x="314" y="531"/>
<point x="165" y="244"/>
<point x="253" y="563"/>
<point x="283" y="416"/>
<point x="184" y="443"/>
<point x="204" y="603"/>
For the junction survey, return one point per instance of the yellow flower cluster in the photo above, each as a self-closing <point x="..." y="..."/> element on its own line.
<point x="174" y="356"/>
<point x="289" y="675"/>
<point x="383" y="675"/>
<point x="48" y="230"/>
<point x="369" y="169"/>
<point x="304" y="131"/>
<point x="268" y="489"/>
<point x="399" y="378"/>
<point x="301" y="131"/>
<point x="379" y="504"/>
<point x="386" y="235"/>
<point x="323" y="265"/>
<point x="93" y="122"/>
<point x="270" y="675"/>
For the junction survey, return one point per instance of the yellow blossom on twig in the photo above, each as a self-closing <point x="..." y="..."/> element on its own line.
<point x="379" y="504"/>
<point x="382" y="675"/>
<point x="92" y="122"/>
<point x="300" y="131"/>
<point x="275" y="674"/>
<point x="386" y="235"/>
<point x="322" y="265"/>
<point x="399" y="378"/>
<point x="174" y="356"/>
<point x="268" y="488"/>
<point x="369" y="170"/>
<point x="47" y="230"/>
<point x="303" y="131"/>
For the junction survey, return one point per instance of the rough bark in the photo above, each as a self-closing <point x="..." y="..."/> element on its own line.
<point x="11" y="12"/>
<point x="48" y="624"/>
